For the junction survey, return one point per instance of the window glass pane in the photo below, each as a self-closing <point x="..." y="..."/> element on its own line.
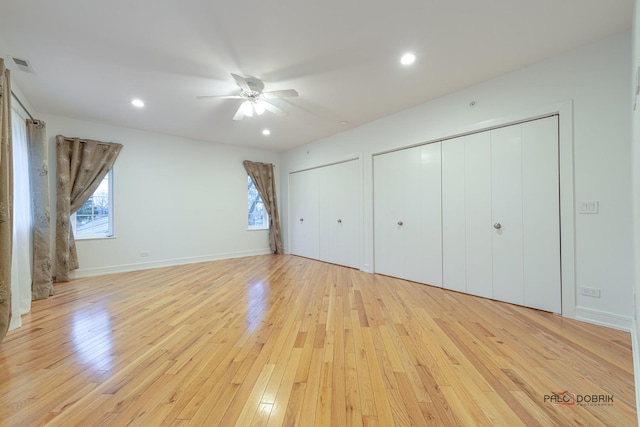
<point x="93" y="218"/>
<point x="258" y="217"/>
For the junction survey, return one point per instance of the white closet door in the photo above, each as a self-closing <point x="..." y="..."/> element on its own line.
<point x="303" y="220"/>
<point x="454" y="245"/>
<point x="427" y="259"/>
<point x="478" y="226"/>
<point x="388" y="212"/>
<point x="525" y="202"/>
<point x="340" y="214"/>
<point x="325" y="184"/>
<point x="507" y="240"/>
<point x="541" y="215"/>
<point x="501" y="214"/>
<point x="407" y="214"/>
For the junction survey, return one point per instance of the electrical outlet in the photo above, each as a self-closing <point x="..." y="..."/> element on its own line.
<point x="589" y="207"/>
<point x="590" y="292"/>
<point x="144" y="254"/>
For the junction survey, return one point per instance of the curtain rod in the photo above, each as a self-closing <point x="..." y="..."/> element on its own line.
<point x="22" y="105"/>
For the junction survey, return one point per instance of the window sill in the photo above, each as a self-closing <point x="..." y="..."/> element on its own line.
<point x="257" y="229"/>
<point x="94" y="238"/>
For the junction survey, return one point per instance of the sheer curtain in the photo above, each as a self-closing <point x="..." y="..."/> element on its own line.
<point x="21" y="260"/>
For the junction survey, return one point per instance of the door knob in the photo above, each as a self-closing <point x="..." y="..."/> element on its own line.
<point x="400" y="223"/>
<point x="339" y="221"/>
<point x="497" y="226"/>
<point x="301" y="219"/>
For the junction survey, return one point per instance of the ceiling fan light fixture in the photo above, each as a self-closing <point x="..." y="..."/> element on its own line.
<point x="254" y="99"/>
<point x="247" y="108"/>
<point x="259" y="108"/>
<point x="408" y="59"/>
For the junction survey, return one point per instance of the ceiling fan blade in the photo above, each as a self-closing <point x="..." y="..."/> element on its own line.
<point x="280" y="93"/>
<point x="240" y="81"/>
<point x="239" y="114"/>
<point x="275" y="110"/>
<point x="219" y="96"/>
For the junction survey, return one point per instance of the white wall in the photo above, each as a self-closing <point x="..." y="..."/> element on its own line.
<point x="635" y="125"/>
<point x="594" y="82"/>
<point x="178" y="199"/>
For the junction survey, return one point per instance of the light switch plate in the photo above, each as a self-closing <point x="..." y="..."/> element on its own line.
<point x="588" y="207"/>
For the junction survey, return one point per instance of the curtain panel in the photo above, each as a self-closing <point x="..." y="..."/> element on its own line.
<point x="262" y="175"/>
<point x="6" y="199"/>
<point x="42" y="281"/>
<point x="81" y="165"/>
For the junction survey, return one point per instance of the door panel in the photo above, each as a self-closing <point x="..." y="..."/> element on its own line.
<point x="506" y="180"/>
<point x="477" y="190"/>
<point x="407" y="214"/>
<point x="541" y="215"/>
<point x="388" y="209"/>
<point x="431" y="214"/>
<point x="454" y="233"/>
<point x="304" y="227"/>
<point x="340" y="214"/>
<point x="412" y="232"/>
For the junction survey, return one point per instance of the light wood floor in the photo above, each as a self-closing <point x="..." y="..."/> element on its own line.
<point x="283" y="340"/>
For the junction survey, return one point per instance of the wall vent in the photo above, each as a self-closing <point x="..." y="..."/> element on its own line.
<point x="23" y="65"/>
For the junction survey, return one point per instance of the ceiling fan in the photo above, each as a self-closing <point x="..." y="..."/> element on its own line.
<point x="255" y="100"/>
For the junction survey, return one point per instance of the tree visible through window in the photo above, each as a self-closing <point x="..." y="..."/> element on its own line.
<point x="94" y="218"/>
<point x="258" y="218"/>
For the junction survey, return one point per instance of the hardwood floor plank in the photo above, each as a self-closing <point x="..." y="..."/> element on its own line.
<point x="252" y="402"/>
<point x="283" y="404"/>
<point x="282" y="340"/>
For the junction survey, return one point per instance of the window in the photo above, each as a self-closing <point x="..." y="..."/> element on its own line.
<point x="95" y="218"/>
<point x="258" y="218"/>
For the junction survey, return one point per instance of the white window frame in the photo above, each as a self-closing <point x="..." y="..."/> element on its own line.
<point x="110" y="234"/>
<point x="265" y="215"/>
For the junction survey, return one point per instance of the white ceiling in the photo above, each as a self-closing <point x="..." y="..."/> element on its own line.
<point x="342" y="56"/>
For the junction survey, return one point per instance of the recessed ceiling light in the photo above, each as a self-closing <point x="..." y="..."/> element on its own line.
<point x="408" y="59"/>
<point x="137" y="103"/>
<point x="266" y="132"/>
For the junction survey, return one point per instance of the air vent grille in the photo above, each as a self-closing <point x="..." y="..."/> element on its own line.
<point x="23" y="65"/>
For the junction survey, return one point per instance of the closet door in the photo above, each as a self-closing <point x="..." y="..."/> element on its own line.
<point x="501" y="214"/>
<point x="424" y="260"/>
<point x="541" y="215"/>
<point x="454" y="233"/>
<point x="388" y="212"/>
<point x="407" y="214"/>
<point x="478" y="195"/>
<point x="340" y="214"/>
<point x="506" y="184"/>
<point x="304" y="215"/>
<point x="526" y="214"/>
<point x="466" y="214"/>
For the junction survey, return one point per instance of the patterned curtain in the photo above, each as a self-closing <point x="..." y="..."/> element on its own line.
<point x="42" y="281"/>
<point x="263" y="177"/>
<point x="6" y="200"/>
<point x="81" y="164"/>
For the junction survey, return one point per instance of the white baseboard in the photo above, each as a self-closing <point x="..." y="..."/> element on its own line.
<point x="604" y="318"/>
<point x="100" y="271"/>
<point x="635" y="351"/>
